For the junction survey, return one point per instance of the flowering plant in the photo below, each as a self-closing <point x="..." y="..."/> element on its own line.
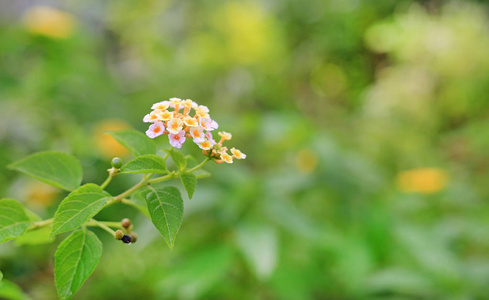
<point x="182" y="119"/>
<point x="78" y="255"/>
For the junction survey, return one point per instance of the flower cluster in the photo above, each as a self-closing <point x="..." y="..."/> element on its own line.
<point x="182" y="119"/>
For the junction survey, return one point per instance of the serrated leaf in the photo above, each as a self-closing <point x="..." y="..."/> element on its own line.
<point x="138" y="200"/>
<point x="136" y="142"/>
<point x="148" y="163"/>
<point x="189" y="181"/>
<point x="178" y="158"/>
<point x="165" y="207"/>
<point x="13" y="220"/>
<point x="75" y="260"/>
<point x="78" y="207"/>
<point x="10" y="291"/>
<point x="58" y="169"/>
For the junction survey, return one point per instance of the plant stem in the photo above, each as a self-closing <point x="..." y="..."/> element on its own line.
<point x="129" y="202"/>
<point x="40" y="224"/>
<point x="199" y="165"/>
<point x="163" y="178"/>
<point x="118" y="198"/>
<point x="107" y="181"/>
<point x="111" y="224"/>
<point x="94" y="222"/>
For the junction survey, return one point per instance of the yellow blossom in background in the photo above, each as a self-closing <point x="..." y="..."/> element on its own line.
<point x="423" y="180"/>
<point x="107" y="146"/>
<point x="40" y="194"/>
<point x="49" y="22"/>
<point x="306" y="160"/>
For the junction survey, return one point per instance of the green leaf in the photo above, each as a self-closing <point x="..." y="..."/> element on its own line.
<point x="165" y="207"/>
<point x="189" y="181"/>
<point x="78" y="207"/>
<point x="138" y="200"/>
<point x="136" y="142"/>
<point x="1" y="275"/>
<point x="35" y="237"/>
<point x="75" y="260"/>
<point x="58" y="169"/>
<point x="13" y="220"/>
<point x="178" y="158"/>
<point x="10" y="291"/>
<point x="148" y="163"/>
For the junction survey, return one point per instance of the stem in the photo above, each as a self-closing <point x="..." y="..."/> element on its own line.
<point x="40" y="224"/>
<point x="129" y="202"/>
<point x="111" y="224"/>
<point x="163" y="178"/>
<point x="107" y="181"/>
<point x="118" y="198"/>
<point x="199" y="165"/>
<point x="94" y="222"/>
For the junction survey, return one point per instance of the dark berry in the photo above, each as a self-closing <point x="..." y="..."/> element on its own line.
<point x="126" y="239"/>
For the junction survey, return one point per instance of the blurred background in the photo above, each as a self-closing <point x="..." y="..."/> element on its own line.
<point x="365" y="124"/>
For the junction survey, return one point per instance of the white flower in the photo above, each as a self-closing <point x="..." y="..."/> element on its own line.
<point x="177" y="140"/>
<point x="175" y="125"/>
<point x="197" y="133"/>
<point x="155" y="129"/>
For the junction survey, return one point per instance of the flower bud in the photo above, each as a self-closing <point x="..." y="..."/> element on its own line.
<point x="116" y="162"/>
<point x="134" y="237"/>
<point x="126" y="223"/>
<point x="126" y="239"/>
<point x="119" y="234"/>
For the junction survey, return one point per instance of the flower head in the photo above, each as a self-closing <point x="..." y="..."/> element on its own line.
<point x="193" y="122"/>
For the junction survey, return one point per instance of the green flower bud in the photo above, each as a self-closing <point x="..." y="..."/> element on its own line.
<point x="116" y="162"/>
<point x="119" y="234"/>
<point x="134" y="236"/>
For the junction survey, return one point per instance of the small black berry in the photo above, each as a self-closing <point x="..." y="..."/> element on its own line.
<point x="126" y="239"/>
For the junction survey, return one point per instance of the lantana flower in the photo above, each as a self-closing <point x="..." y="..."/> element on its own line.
<point x="182" y="119"/>
<point x="177" y="140"/>
<point x="155" y="129"/>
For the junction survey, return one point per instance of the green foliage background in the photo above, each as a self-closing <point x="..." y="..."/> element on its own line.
<point x="331" y="101"/>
